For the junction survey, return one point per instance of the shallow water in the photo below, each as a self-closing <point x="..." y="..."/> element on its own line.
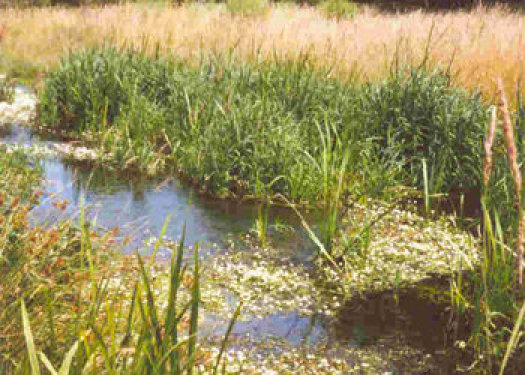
<point x="139" y="206"/>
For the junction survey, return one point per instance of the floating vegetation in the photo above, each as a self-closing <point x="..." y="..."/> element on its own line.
<point x="20" y="109"/>
<point x="278" y="357"/>
<point x="266" y="281"/>
<point x="400" y="248"/>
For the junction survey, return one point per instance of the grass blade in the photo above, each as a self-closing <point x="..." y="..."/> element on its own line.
<point x="171" y="321"/>
<point x="47" y="363"/>
<point x="513" y="339"/>
<point x="33" y="359"/>
<point x="225" y="341"/>
<point x="66" y="365"/>
<point x="195" y="298"/>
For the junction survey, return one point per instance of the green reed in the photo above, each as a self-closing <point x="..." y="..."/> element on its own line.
<point x="492" y="294"/>
<point x="149" y="333"/>
<point x="226" y="125"/>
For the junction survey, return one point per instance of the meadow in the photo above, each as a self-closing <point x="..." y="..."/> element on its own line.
<point x="390" y="127"/>
<point x="474" y="46"/>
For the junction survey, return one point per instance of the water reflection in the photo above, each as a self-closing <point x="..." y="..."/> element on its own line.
<point x="137" y="205"/>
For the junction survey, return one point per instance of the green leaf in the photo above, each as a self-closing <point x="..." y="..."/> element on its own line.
<point x="66" y="365"/>
<point x="47" y="363"/>
<point x="31" y="351"/>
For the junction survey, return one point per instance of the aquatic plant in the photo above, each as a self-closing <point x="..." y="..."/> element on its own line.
<point x="333" y="165"/>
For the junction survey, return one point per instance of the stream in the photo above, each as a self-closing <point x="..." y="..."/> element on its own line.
<point x="139" y="206"/>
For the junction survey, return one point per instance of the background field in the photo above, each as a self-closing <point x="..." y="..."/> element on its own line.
<point x="476" y="46"/>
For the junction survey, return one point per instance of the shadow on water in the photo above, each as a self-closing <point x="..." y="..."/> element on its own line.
<point x="418" y="316"/>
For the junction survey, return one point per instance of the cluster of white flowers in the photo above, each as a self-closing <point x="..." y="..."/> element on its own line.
<point x="268" y="282"/>
<point x="21" y="111"/>
<point x="404" y="248"/>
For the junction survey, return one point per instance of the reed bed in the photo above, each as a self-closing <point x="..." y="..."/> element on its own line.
<point x="229" y="127"/>
<point x="476" y="45"/>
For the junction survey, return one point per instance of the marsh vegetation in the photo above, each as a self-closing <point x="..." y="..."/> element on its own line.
<point x="378" y="172"/>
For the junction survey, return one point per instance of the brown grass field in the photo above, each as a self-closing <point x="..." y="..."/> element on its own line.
<point x="478" y="46"/>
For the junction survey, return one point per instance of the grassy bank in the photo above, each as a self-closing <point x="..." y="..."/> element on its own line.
<point x="272" y="128"/>
<point x="477" y="45"/>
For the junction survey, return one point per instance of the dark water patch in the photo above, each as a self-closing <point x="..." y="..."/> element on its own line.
<point x="418" y="316"/>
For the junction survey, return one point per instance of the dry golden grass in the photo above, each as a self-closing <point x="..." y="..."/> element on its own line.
<point x="481" y="44"/>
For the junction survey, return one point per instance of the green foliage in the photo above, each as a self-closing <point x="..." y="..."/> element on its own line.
<point x="423" y="117"/>
<point x="339" y="9"/>
<point x="247" y="7"/>
<point x="229" y="126"/>
<point x="490" y="297"/>
<point x="148" y="331"/>
<point x="490" y="294"/>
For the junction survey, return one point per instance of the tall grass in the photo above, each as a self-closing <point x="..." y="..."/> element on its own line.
<point x="229" y="126"/>
<point x="478" y="44"/>
<point x="130" y="333"/>
<point x="154" y="346"/>
<point x="493" y="294"/>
